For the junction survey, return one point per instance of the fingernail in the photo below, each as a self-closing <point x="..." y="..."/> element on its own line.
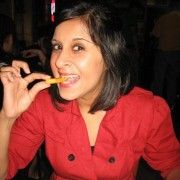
<point x="28" y="71"/>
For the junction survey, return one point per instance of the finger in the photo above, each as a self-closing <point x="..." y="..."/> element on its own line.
<point x="11" y="76"/>
<point x="10" y="69"/>
<point x="35" y="76"/>
<point x="37" y="88"/>
<point x="7" y="77"/>
<point x="21" y="64"/>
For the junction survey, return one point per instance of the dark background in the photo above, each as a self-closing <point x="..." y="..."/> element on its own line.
<point x="31" y="16"/>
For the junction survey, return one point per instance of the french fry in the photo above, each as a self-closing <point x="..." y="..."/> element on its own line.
<point x="55" y="80"/>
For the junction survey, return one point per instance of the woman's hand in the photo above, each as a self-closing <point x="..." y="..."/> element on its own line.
<point x="17" y="96"/>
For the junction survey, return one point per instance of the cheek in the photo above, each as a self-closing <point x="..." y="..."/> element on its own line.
<point x="53" y="63"/>
<point x="95" y="67"/>
<point x="91" y="63"/>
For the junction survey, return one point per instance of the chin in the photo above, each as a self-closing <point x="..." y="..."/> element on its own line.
<point x="68" y="97"/>
<point x="70" y="93"/>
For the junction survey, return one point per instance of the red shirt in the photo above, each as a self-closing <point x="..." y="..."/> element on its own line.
<point x="138" y="126"/>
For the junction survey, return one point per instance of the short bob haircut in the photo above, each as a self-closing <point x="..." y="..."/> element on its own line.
<point x="105" y="30"/>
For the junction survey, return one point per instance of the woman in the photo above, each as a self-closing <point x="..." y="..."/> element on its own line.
<point x="96" y="124"/>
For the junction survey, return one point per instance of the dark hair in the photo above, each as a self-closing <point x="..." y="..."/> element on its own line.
<point x="105" y="30"/>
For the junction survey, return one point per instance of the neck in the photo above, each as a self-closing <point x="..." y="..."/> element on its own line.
<point x="85" y="104"/>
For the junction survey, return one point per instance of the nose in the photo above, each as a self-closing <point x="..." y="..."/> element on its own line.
<point x="63" y="59"/>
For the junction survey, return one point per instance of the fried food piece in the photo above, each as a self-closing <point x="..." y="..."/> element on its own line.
<point x="55" y="80"/>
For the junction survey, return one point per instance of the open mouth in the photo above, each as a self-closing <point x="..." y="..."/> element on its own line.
<point x="70" y="78"/>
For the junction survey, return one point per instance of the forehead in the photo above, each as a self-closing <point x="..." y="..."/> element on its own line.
<point x="71" y="28"/>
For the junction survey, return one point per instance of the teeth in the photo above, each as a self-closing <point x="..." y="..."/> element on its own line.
<point x="70" y="77"/>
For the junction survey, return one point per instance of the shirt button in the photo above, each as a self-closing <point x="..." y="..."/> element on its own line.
<point x="112" y="159"/>
<point x="71" y="157"/>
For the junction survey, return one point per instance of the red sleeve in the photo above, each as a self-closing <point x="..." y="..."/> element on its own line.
<point x="162" y="150"/>
<point x="26" y="137"/>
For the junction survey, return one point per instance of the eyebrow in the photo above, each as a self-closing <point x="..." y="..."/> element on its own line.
<point x="75" y="39"/>
<point x="54" y="40"/>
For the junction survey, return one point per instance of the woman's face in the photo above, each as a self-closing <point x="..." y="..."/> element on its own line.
<point x="76" y="57"/>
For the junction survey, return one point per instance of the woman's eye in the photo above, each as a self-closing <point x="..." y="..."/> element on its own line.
<point x="78" y="48"/>
<point x="56" y="47"/>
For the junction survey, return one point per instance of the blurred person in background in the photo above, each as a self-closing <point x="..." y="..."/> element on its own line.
<point x="38" y="54"/>
<point x="7" y="37"/>
<point x="167" y="59"/>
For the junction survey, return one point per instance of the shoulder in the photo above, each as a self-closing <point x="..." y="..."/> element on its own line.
<point x="42" y="101"/>
<point x="142" y="108"/>
<point x="174" y="13"/>
<point x="138" y="94"/>
<point x="42" y="96"/>
<point x="142" y="99"/>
